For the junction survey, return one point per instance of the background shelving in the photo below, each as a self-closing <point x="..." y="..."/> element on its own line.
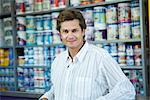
<point x="30" y="31"/>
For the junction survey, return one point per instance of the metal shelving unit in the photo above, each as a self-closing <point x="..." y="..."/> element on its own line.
<point x="142" y="40"/>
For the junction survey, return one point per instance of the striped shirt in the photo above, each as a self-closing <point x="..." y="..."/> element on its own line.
<point x="92" y="75"/>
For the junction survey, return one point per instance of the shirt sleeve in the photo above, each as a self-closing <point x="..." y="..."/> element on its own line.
<point x="49" y="95"/>
<point x="120" y="88"/>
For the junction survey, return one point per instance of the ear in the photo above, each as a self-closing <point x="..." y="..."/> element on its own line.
<point x="60" y="36"/>
<point x="83" y="32"/>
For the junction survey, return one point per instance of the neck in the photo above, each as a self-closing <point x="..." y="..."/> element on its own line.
<point x="74" y="51"/>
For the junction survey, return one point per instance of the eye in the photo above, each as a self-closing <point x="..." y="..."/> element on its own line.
<point x="65" y="31"/>
<point x="74" y="30"/>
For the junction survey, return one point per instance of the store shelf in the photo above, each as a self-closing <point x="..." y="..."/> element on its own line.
<point x="6" y="47"/>
<point x="116" y="41"/>
<point x="20" y="49"/>
<point x="101" y="4"/>
<point x="78" y="7"/>
<point x="132" y="67"/>
<point x="40" y="12"/>
<point x="21" y="94"/>
<point x="7" y="67"/>
<point x="6" y="74"/>
<point x="34" y="66"/>
<point x="50" y="45"/>
<point x="5" y="15"/>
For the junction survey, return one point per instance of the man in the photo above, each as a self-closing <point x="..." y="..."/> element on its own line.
<point x="84" y="71"/>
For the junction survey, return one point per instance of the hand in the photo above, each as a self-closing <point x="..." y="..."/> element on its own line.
<point x="44" y="99"/>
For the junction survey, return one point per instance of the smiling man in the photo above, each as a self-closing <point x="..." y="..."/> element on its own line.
<point x="84" y="71"/>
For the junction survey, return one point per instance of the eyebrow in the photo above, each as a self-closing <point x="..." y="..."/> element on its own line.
<point x="71" y="29"/>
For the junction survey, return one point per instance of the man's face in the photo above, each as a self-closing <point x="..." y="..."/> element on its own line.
<point x="72" y="34"/>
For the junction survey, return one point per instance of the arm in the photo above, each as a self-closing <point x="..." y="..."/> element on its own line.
<point x="48" y="95"/>
<point x="120" y="88"/>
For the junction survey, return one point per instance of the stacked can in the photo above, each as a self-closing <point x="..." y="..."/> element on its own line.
<point x="8" y="31"/>
<point x="59" y="49"/>
<point x="39" y="38"/>
<point x="30" y="23"/>
<point x="55" y="33"/>
<point x="124" y="19"/>
<point x="56" y="38"/>
<point x="38" y="5"/>
<point x="135" y="17"/>
<point x="39" y="23"/>
<point x="39" y="78"/>
<point x="62" y="3"/>
<point x="54" y="20"/>
<point x="28" y="57"/>
<point x="47" y="56"/>
<point x="30" y="30"/>
<point x="88" y="15"/>
<point x="74" y="3"/>
<point x="7" y="80"/>
<point x="4" y="57"/>
<point x="20" y="6"/>
<point x="111" y="14"/>
<point x="99" y="18"/>
<point x="114" y="51"/>
<point x="137" y="55"/>
<point x="26" y="83"/>
<point x="129" y="55"/>
<point x="29" y="6"/>
<point x="111" y="20"/>
<point x="124" y="12"/>
<point x="21" y="31"/>
<point x="52" y="54"/>
<point x="112" y="32"/>
<point x="136" y="78"/>
<point x="58" y="4"/>
<point x="48" y="38"/>
<point x="46" y="5"/>
<point x="125" y="31"/>
<point x="121" y="54"/>
<point x="30" y="37"/>
<point x="97" y="1"/>
<point x="1" y="34"/>
<point x="100" y="23"/>
<point x="47" y="22"/>
<point x="85" y="2"/>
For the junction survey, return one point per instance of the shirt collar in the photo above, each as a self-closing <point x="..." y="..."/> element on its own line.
<point x="80" y="55"/>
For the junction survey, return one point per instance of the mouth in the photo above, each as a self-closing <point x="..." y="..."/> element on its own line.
<point x="71" y="40"/>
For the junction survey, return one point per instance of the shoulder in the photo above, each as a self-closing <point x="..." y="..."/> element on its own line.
<point x="97" y="50"/>
<point x="60" y="56"/>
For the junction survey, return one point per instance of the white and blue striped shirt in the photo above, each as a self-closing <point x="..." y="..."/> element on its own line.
<point x="91" y="74"/>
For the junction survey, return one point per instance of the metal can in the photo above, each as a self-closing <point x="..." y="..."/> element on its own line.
<point x="124" y="31"/>
<point x="39" y="23"/>
<point x="30" y="36"/>
<point x="99" y="18"/>
<point x="100" y="35"/>
<point x="135" y="27"/>
<point x="38" y="5"/>
<point x="46" y="5"/>
<point x="74" y="3"/>
<point x="21" y="23"/>
<point x="124" y="12"/>
<point x="135" y="11"/>
<point x="30" y="23"/>
<point x="47" y="22"/>
<point x="111" y="14"/>
<point x="29" y="4"/>
<point x="21" y="37"/>
<point x="112" y="32"/>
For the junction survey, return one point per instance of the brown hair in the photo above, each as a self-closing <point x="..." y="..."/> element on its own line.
<point x="70" y="14"/>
